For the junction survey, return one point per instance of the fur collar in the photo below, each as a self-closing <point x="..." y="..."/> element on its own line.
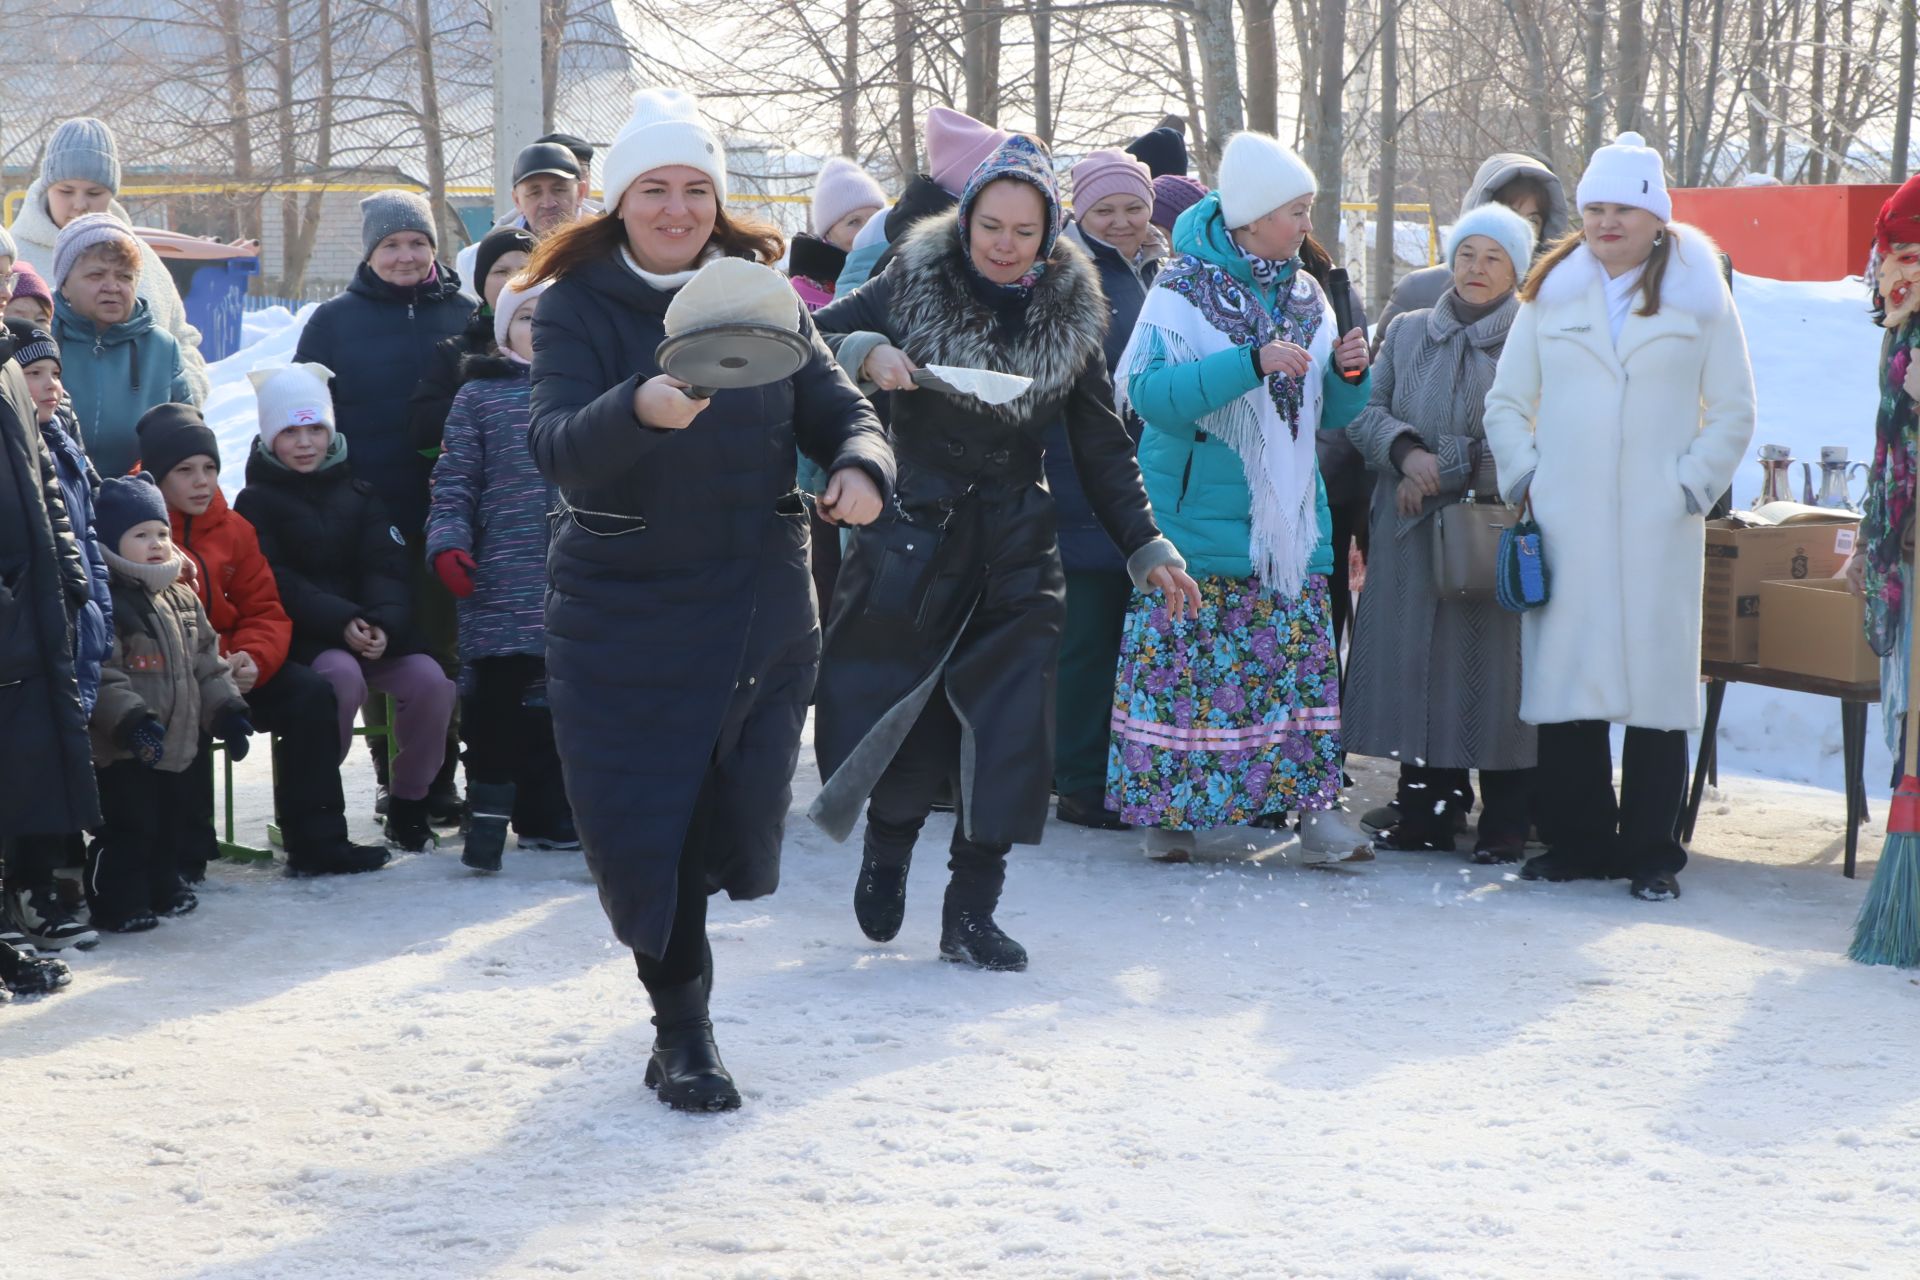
<point x="476" y="367"/>
<point x="1693" y="283"/>
<point x="945" y="323"/>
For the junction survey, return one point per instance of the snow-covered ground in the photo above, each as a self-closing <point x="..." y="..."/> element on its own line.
<point x="1238" y="1068"/>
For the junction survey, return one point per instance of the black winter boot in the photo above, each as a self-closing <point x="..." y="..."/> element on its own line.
<point x="26" y="974"/>
<point x="968" y="934"/>
<point x="382" y="778"/>
<point x="487" y="834"/>
<point x="685" y="1069"/>
<point x="341" y="857"/>
<point x="880" y="895"/>
<point x="445" y="808"/>
<point x="407" y="828"/>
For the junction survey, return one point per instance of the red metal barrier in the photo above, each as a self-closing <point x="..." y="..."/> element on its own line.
<point x="1787" y="233"/>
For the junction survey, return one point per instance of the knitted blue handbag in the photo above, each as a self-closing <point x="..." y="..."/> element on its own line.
<point x="1520" y="582"/>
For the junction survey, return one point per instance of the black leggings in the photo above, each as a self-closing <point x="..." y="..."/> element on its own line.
<point x="687" y="955"/>
<point x="496" y="720"/>
<point x="928" y="760"/>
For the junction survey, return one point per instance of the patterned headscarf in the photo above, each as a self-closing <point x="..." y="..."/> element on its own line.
<point x="1021" y="159"/>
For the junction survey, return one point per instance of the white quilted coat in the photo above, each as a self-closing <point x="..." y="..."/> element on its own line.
<point x="1615" y="442"/>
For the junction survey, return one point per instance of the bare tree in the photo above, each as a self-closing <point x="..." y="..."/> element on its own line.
<point x="1329" y="151"/>
<point x="1903" y="108"/>
<point x="1385" y="224"/>
<point x="1263" y="66"/>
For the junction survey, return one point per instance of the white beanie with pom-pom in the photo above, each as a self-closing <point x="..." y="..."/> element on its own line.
<point x="1627" y="172"/>
<point x="664" y="129"/>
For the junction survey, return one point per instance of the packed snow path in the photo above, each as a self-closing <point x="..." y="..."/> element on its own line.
<point x="1236" y="1068"/>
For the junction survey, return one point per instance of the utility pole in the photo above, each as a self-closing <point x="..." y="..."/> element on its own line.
<point x="518" y="105"/>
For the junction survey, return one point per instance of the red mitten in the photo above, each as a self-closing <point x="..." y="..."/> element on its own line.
<point x="455" y="568"/>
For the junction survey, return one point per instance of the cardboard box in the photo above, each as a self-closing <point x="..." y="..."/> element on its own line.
<point x="1812" y="628"/>
<point x="1740" y="559"/>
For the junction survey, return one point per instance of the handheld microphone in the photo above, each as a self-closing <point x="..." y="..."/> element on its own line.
<point x="1340" y="292"/>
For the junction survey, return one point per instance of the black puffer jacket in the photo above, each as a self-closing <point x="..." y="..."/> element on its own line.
<point x="682" y="636"/>
<point x="336" y="553"/>
<point x="46" y="764"/>
<point x="984" y="610"/>
<point x="444" y="376"/>
<point x="379" y="341"/>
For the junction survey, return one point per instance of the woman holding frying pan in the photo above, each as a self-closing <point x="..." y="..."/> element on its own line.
<point x="946" y="622"/>
<point x="682" y="635"/>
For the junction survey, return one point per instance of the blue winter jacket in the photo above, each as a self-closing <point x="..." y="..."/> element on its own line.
<point x="114" y="377"/>
<point x="490" y="500"/>
<point x="1195" y="481"/>
<point x="93" y="626"/>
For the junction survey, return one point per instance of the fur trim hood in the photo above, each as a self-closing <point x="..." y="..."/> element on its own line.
<point x="477" y="367"/>
<point x="1693" y="283"/>
<point x="945" y="322"/>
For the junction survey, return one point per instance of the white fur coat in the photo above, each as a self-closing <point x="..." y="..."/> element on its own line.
<point x="1615" y="441"/>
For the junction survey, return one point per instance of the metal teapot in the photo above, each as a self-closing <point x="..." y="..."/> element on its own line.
<point x="1835" y="471"/>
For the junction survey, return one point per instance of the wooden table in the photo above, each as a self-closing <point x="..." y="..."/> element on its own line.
<point x="1854" y="700"/>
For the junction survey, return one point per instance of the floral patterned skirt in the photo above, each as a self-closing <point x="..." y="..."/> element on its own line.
<point x="1220" y="720"/>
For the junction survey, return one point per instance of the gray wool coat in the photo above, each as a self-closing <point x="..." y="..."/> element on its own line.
<point x="1428" y="681"/>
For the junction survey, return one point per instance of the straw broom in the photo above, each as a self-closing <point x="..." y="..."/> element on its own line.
<point x="1888" y="931"/>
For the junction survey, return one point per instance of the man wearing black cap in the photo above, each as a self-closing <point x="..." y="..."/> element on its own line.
<point x="583" y="154"/>
<point x="546" y="196"/>
<point x="546" y="187"/>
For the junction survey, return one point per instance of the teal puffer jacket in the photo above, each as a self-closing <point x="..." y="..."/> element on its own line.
<point x="1197" y="485"/>
<point x="114" y="377"/>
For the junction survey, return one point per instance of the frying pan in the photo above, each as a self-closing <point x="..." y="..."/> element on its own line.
<point x="735" y="324"/>
<point x="724" y="356"/>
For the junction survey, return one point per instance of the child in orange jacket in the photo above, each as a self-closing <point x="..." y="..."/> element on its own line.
<point x="242" y="600"/>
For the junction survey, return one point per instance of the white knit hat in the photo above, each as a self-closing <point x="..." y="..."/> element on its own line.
<point x="664" y="129"/>
<point x="292" y="395"/>
<point x="843" y="188"/>
<point x="1629" y="172"/>
<point x="512" y="298"/>
<point x="1258" y="174"/>
<point x="1499" y="224"/>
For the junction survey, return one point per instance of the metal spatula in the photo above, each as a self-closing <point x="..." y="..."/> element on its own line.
<point x="979" y="384"/>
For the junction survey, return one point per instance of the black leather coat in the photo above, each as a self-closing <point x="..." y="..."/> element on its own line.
<point x="962" y="583"/>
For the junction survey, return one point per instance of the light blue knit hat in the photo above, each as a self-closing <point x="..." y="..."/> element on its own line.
<point x="1499" y="224"/>
<point x="82" y="150"/>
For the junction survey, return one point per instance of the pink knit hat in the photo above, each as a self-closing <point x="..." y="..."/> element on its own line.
<point x="28" y="284"/>
<point x="843" y="188"/>
<point x="956" y="144"/>
<point x="1110" y="173"/>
